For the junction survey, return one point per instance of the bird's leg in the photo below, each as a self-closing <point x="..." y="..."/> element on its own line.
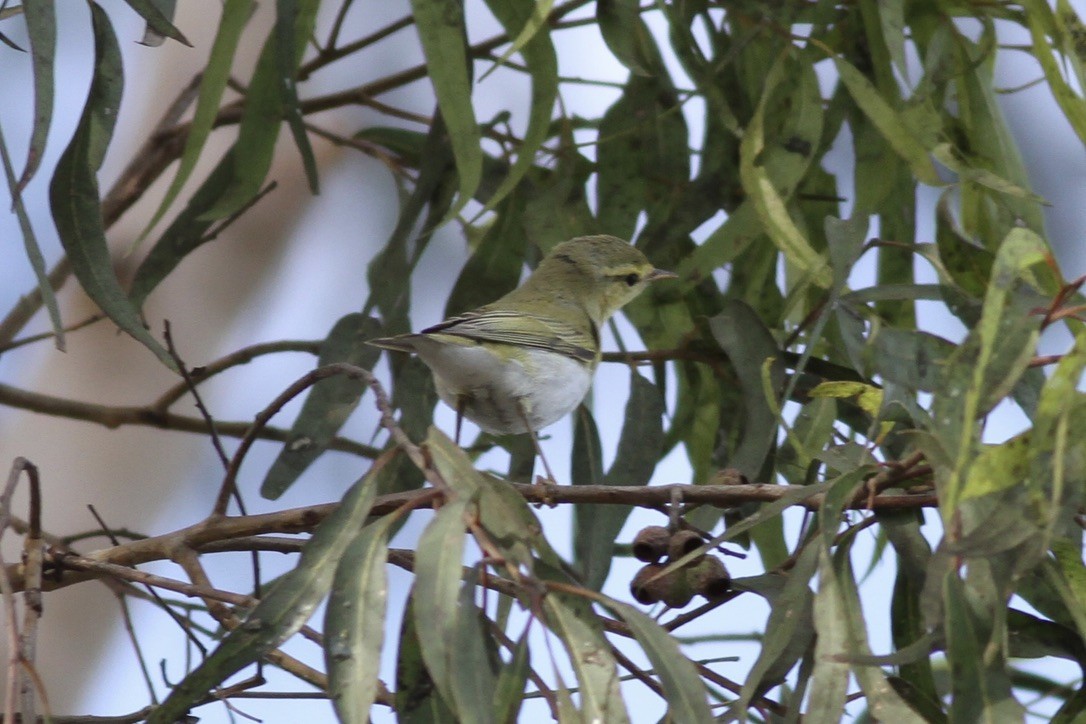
<point x="522" y="409"/>
<point x="461" y="403"/>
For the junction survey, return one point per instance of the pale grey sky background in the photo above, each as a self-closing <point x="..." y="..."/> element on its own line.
<point x="315" y="274"/>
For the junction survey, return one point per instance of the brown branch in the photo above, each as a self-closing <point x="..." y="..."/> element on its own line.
<point x="116" y="416"/>
<point x="718" y="496"/>
<point x="224" y="533"/>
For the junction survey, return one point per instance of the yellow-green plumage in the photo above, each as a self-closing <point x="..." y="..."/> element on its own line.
<point x="526" y="360"/>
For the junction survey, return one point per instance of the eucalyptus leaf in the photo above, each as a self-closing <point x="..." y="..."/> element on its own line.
<point x="441" y="30"/>
<point x="354" y="623"/>
<point x="328" y="403"/>
<point x="595" y="528"/>
<point x="283" y="609"/>
<point x="73" y="191"/>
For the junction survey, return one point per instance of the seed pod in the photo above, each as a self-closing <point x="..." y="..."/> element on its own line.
<point x="649" y="587"/>
<point x="682" y="543"/>
<point x="650" y="544"/>
<point x="679" y="590"/>
<point x="645" y="587"/>
<point x="710" y="578"/>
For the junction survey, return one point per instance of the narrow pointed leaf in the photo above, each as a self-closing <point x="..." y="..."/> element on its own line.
<point x="440" y="24"/>
<point x="186" y="233"/>
<point x="328" y="403"/>
<point x="157" y="14"/>
<point x="33" y="250"/>
<point x="41" y="24"/>
<point x="294" y="17"/>
<point x="768" y="202"/>
<point x="526" y="17"/>
<point x="686" y="694"/>
<point x="572" y="619"/>
<point x="417" y="699"/>
<point x="748" y="344"/>
<point x="888" y="121"/>
<point x="509" y="696"/>
<point x="597" y="527"/>
<point x="73" y="192"/>
<point x="264" y="108"/>
<point x="284" y="608"/>
<point x="354" y="623"/>
<point x="438" y="570"/>
<point x="235" y="14"/>
<point x="626" y="35"/>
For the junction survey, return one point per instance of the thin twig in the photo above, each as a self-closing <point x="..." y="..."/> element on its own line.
<point x="117" y="416"/>
<point x="238" y="357"/>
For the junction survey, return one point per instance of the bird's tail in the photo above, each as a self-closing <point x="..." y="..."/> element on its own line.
<point x="401" y="343"/>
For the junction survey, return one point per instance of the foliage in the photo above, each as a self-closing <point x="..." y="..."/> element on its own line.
<point x="836" y="399"/>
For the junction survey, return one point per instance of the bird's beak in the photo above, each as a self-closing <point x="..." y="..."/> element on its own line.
<point x="658" y="274"/>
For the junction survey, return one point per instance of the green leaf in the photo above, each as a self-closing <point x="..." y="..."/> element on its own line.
<point x="440" y="24"/>
<point x="627" y="36"/>
<point x="683" y="688"/>
<point x="41" y="28"/>
<point x="438" y="570"/>
<point x="495" y="267"/>
<point x="475" y="676"/>
<point x="586" y="462"/>
<point x="509" y="695"/>
<point x="572" y="619"/>
<point x="328" y="403"/>
<point x="868" y="397"/>
<point x="404" y="247"/>
<point x="889" y="122"/>
<point x="996" y="353"/>
<point x="33" y="251"/>
<point x="892" y="23"/>
<point x="535" y="22"/>
<point x="73" y="191"/>
<point x="728" y="241"/>
<point x="789" y="631"/>
<point x="157" y="20"/>
<point x="595" y="528"/>
<point x="285" y="607"/>
<point x="354" y="623"/>
<point x="642" y="155"/>
<point x="417" y="699"/>
<point x="186" y="233"/>
<point x="968" y="264"/>
<point x="956" y="162"/>
<point x="748" y="344"/>
<point x="829" y="679"/>
<point x="1038" y="16"/>
<point x="151" y="37"/>
<point x="768" y="200"/>
<point x="981" y="688"/>
<point x="998" y="467"/>
<point x="526" y="18"/>
<point x="292" y="18"/>
<point x="264" y="109"/>
<point x="216" y="73"/>
<point x="906" y="357"/>
<point x="883" y="701"/>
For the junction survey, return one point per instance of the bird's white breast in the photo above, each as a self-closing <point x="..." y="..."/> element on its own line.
<point x="548" y="385"/>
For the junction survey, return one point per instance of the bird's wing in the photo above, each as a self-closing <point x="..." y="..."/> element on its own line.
<point x="519" y="328"/>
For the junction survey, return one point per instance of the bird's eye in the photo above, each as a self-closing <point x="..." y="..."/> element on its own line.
<point x="632" y="279"/>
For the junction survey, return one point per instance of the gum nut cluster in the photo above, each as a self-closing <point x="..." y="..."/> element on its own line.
<point x="659" y="547"/>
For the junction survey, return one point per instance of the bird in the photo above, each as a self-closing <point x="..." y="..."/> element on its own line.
<point x="527" y="359"/>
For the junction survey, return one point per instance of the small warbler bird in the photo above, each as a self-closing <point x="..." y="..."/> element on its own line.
<point x="524" y="361"/>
